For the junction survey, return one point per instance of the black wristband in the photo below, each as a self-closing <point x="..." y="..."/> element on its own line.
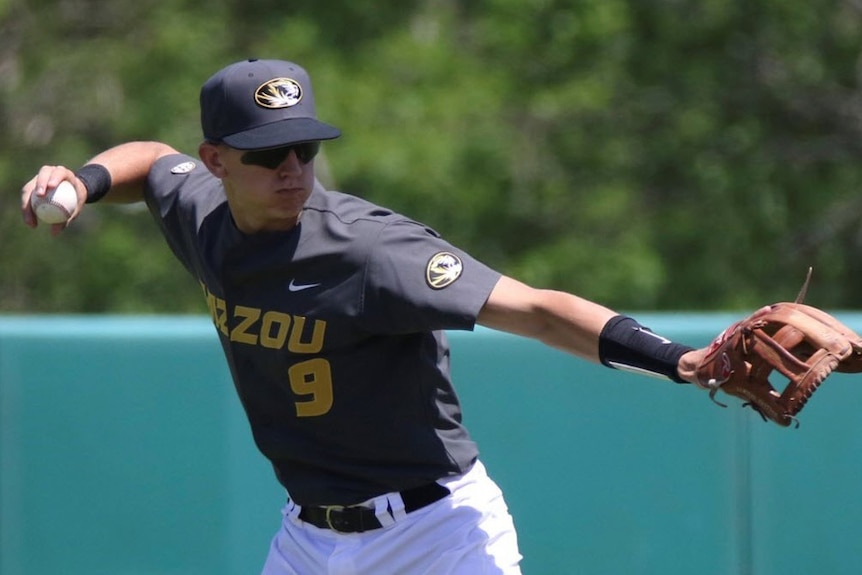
<point x="625" y="344"/>
<point x="97" y="179"/>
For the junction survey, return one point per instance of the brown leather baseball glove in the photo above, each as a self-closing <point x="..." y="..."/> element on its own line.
<point x="800" y="342"/>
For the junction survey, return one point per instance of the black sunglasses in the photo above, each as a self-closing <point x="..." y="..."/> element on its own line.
<point x="272" y="158"/>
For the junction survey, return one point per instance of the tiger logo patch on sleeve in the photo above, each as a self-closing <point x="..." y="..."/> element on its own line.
<point x="442" y="270"/>
<point x="183" y="168"/>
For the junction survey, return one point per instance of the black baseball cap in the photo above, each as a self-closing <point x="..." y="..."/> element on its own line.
<point x="259" y="104"/>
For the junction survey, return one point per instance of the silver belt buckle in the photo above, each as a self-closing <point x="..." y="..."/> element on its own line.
<point x="329" y="510"/>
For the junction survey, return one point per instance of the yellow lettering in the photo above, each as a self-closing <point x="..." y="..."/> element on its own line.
<point x="248" y="316"/>
<point x="279" y="320"/>
<point x="312" y="378"/>
<point x="296" y="345"/>
<point x="221" y="315"/>
<point x="217" y="309"/>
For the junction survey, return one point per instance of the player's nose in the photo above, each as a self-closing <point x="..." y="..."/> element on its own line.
<point x="291" y="166"/>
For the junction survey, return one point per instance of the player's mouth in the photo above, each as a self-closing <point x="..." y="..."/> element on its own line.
<point x="285" y="191"/>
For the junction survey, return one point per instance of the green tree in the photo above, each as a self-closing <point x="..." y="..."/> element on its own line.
<point x="652" y="155"/>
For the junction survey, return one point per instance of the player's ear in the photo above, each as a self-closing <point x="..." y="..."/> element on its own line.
<point x="211" y="155"/>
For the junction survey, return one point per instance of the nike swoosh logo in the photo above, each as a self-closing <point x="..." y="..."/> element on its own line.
<point x="299" y="287"/>
<point x="655" y="335"/>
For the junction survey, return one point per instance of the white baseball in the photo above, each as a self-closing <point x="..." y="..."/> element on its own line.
<point x="57" y="206"/>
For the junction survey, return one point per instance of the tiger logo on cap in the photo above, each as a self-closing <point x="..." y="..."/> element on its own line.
<point x="278" y="93"/>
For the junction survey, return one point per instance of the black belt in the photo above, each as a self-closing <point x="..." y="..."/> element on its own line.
<point x="358" y="519"/>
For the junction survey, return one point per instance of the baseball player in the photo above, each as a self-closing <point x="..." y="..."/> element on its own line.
<point x="332" y="312"/>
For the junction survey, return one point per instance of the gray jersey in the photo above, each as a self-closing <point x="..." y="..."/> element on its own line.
<point x="333" y="332"/>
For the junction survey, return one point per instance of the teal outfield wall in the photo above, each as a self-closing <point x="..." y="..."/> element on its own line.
<point x="123" y="450"/>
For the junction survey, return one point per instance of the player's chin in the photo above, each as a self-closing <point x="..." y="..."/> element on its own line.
<point x="288" y="204"/>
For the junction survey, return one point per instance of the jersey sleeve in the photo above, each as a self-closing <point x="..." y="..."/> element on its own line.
<point x="417" y="281"/>
<point x="180" y="194"/>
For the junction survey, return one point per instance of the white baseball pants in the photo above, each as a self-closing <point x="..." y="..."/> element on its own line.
<point x="469" y="532"/>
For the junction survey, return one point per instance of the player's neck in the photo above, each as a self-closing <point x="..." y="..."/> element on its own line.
<point x="249" y="228"/>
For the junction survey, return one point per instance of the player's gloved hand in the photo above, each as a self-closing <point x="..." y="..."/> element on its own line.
<point x="799" y="342"/>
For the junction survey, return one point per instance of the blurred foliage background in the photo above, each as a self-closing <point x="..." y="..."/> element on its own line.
<point x="647" y="154"/>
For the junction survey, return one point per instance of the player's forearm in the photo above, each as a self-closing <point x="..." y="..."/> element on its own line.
<point x="570" y="323"/>
<point x="586" y="329"/>
<point x="128" y="165"/>
<point x="557" y="319"/>
<point x="597" y="333"/>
